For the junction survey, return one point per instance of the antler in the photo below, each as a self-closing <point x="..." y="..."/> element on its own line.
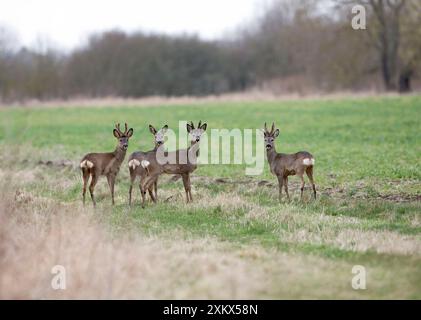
<point x="200" y="123"/>
<point x="191" y="124"/>
<point x="273" y="128"/>
<point x="266" y="128"/>
<point x="117" y="126"/>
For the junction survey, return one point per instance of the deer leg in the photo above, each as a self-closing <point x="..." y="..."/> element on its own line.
<point x="281" y="183"/>
<point x="189" y="187"/>
<point x="145" y="185"/>
<point x="111" y="181"/>
<point x="132" y="179"/>
<point x="142" y="178"/>
<point x="85" y="176"/>
<point x="150" y="190"/>
<point x="142" y="194"/>
<point x="155" y="186"/>
<point x="302" y="186"/>
<point x="309" y="172"/>
<point x="148" y="182"/>
<point x="186" y="186"/>
<point x="130" y="194"/>
<point x="92" y="187"/>
<point x="286" y="187"/>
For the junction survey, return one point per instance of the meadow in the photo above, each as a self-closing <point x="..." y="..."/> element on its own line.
<point x="235" y="240"/>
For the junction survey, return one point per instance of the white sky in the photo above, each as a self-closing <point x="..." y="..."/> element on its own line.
<point x="67" y="23"/>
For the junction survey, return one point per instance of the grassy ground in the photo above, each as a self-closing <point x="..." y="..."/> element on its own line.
<point x="236" y="240"/>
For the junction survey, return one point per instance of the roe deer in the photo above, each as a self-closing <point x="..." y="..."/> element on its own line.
<point x="182" y="162"/>
<point x="139" y="160"/>
<point x="105" y="164"/>
<point x="283" y="165"/>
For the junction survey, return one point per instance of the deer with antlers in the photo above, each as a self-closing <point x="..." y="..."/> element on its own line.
<point x="107" y="164"/>
<point x="182" y="162"/>
<point x="139" y="161"/>
<point x="283" y="165"/>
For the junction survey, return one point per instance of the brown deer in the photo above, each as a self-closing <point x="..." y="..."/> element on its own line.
<point x="107" y="164"/>
<point x="283" y="165"/>
<point x="139" y="160"/>
<point x="183" y="162"/>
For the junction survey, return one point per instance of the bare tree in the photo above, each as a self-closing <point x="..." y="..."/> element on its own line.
<point x="410" y="48"/>
<point x="391" y="27"/>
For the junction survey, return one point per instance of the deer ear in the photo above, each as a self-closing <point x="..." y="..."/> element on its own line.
<point x="116" y="134"/>
<point x="164" y="129"/>
<point x="276" y="133"/>
<point x="189" y="128"/>
<point x="152" y="129"/>
<point x="130" y="133"/>
<point x="204" y="126"/>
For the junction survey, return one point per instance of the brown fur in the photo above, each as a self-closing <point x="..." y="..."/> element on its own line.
<point x="105" y="164"/>
<point x="141" y="172"/>
<point x="283" y="165"/>
<point x="182" y="166"/>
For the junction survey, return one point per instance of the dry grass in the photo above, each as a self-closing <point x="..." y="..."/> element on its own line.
<point x="294" y="226"/>
<point x="251" y="95"/>
<point x="37" y="234"/>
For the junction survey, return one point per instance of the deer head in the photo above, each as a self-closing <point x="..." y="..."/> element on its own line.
<point x="270" y="136"/>
<point x="122" y="137"/>
<point x="196" y="133"/>
<point x="159" y="135"/>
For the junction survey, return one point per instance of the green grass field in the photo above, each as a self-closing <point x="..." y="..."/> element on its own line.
<point x="368" y="176"/>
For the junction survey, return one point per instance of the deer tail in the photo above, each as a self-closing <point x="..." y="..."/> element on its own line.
<point x="309" y="161"/>
<point x="85" y="164"/>
<point x="134" y="163"/>
<point x="145" y="165"/>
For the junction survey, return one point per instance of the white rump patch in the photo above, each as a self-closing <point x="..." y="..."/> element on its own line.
<point x="309" y="161"/>
<point x="145" y="163"/>
<point x="86" y="164"/>
<point x="134" y="163"/>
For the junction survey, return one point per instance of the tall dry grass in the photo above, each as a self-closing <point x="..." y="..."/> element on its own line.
<point x="37" y="234"/>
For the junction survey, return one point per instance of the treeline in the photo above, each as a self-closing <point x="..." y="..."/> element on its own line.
<point x="140" y="65"/>
<point x="292" y="46"/>
<point x="117" y="64"/>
